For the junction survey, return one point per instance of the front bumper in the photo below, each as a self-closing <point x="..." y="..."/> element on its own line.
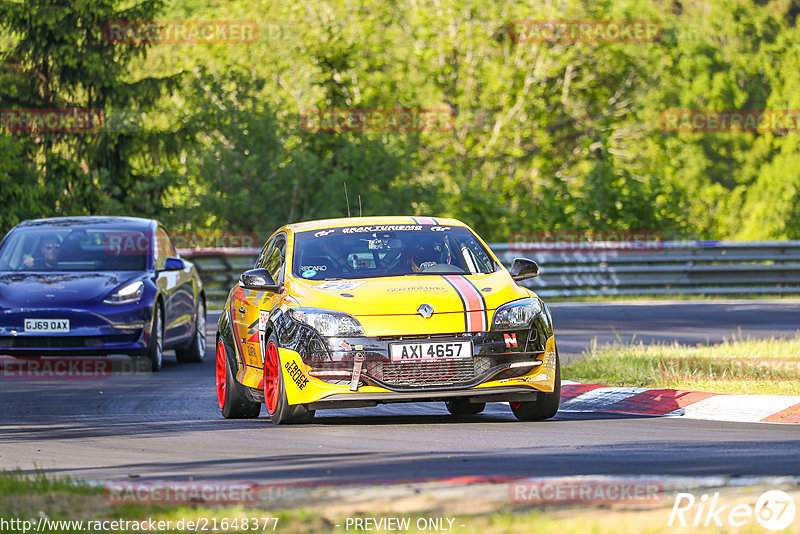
<point x="117" y="330"/>
<point x="502" y="380"/>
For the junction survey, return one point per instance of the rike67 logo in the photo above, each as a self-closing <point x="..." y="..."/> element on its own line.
<point x="774" y="510"/>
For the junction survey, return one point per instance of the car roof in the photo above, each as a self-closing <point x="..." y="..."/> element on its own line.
<point x="367" y="221"/>
<point x="90" y="220"/>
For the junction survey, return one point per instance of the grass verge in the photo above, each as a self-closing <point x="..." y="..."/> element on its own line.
<point x="33" y="497"/>
<point x="739" y="365"/>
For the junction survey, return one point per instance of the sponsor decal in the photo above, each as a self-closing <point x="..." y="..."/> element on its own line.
<point x="511" y="340"/>
<point x="340" y="285"/>
<point x="297" y="374"/>
<point x="379" y="228"/>
<point x="314" y="267"/>
<point x="309" y="273"/>
<point x="382" y="228"/>
<point x="417" y="289"/>
<point x="345" y="346"/>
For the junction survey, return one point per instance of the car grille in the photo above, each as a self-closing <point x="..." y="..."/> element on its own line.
<point x="422" y="374"/>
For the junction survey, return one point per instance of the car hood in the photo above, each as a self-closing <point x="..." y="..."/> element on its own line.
<point x="403" y="295"/>
<point x="58" y="289"/>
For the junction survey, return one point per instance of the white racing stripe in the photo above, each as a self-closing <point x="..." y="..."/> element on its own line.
<point x="741" y="408"/>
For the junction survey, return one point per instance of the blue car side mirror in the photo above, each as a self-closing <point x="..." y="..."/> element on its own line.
<point x="174" y="264"/>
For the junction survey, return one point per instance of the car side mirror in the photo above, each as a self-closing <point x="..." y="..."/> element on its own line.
<point x="258" y="280"/>
<point x="174" y="264"/>
<point x="523" y="268"/>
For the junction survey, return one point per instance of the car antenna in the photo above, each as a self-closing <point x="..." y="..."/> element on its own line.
<point x="346" y="198"/>
<point x="359" y="206"/>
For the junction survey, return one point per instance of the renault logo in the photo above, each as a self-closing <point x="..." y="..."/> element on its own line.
<point x="425" y="310"/>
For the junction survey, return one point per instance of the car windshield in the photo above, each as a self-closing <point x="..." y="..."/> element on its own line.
<point x="75" y="249"/>
<point x="388" y="250"/>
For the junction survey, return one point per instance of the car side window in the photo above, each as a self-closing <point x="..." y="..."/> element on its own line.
<point x="163" y="248"/>
<point x="262" y="257"/>
<point x="276" y="258"/>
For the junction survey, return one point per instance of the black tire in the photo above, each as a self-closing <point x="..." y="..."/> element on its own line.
<point x="155" y="346"/>
<point x="279" y="410"/>
<point x="196" y="351"/>
<point x="546" y="404"/>
<point x="232" y="402"/>
<point x="462" y="406"/>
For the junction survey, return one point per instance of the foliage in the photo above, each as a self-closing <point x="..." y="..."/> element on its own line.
<point x="546" y="135"/>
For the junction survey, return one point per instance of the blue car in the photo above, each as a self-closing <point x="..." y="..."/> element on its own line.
<point x="98" y="285"/>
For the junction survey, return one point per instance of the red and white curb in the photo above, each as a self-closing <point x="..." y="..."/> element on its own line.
<point x="692" y="404"/>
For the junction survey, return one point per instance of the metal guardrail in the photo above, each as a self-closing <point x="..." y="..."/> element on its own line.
<point x="663" y="268"/>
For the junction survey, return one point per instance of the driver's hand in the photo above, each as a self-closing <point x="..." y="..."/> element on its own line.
<point x="27" y="261"/>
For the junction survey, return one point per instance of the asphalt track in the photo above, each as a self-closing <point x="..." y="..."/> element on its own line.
<point x="167" y="426"/>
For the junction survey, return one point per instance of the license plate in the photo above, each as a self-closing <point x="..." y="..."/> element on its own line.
<point x="57" y="326"/>
<point x="430" y="352"/>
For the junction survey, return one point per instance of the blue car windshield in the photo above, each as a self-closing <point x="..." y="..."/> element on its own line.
<point x="388" y="250"/>
<point x="75" y="249"/>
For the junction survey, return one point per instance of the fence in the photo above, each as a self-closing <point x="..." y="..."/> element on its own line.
<point x="671" y="267"/>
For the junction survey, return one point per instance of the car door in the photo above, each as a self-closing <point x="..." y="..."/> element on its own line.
<point x="177" y="291"/>
<point x="247" y="306"/>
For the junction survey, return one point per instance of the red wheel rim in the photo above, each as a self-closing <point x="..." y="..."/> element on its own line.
<point x="222" y="374"/>
<point x="515" y="405"/>
<point x="271" y="370"/>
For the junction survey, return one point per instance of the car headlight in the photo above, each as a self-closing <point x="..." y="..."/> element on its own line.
<point x="127" y="295"/>
<point x="328" y="323"/>
<point x="517" y="314"/>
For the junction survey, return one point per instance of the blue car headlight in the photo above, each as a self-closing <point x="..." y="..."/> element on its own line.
<point x="517" y="314"/>
<point x="128" y="294"/>
<point x="328" y="323"/>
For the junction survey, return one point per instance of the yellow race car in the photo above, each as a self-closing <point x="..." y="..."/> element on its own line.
<point x="367" y="310"/>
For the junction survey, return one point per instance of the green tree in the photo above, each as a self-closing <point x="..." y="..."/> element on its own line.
<point x="59" y="58"/>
